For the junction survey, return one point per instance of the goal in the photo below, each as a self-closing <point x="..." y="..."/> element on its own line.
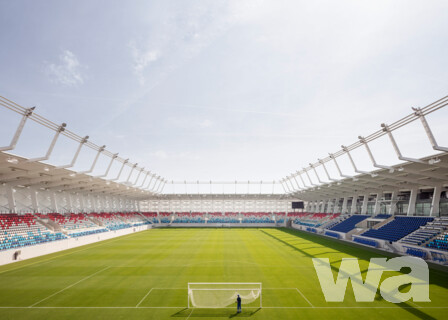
<point x="223" y="294"/>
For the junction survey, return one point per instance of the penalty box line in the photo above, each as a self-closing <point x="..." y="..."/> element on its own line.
<point x="269" y="307"/>
<point x="150" y="290"/>
<point x="68" y="287"/>
<point x="147" y="294"/>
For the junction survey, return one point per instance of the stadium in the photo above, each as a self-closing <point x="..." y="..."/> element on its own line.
<point x="228" y="159"/>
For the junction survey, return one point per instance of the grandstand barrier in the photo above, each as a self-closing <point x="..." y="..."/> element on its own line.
<point x="419" y="253"/>
<point x="333" y="234"/>
<point x="218" y="225"/>
<point x="7" y="256"/>
<point x="366" y="241"/>
<point x="305" y="228"/>
<point x="430" y="254"/>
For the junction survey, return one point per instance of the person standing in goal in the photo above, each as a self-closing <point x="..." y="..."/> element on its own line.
<point x="238" y="304"/>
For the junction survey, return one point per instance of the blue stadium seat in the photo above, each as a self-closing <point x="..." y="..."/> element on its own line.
<point x="349" y="224"/>
<point x="397" y="228"/>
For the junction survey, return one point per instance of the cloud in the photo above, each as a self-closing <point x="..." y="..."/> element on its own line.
<point x="142" y="59"/>
<point x="187" y="31"/>
<point x="69" y="70"/>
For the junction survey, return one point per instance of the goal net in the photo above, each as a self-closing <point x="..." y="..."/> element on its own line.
<point x="223" y="294"/>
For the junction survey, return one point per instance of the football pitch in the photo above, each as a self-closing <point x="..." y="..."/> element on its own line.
<point x="145" y="275"/>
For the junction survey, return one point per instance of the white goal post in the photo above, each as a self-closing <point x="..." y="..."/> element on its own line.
<point x="224" y="294"/>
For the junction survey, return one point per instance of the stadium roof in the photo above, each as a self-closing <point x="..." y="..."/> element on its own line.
<point x="428" y="172"/>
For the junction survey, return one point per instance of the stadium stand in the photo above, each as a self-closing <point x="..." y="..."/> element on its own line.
<point x="257" y="217"/>
<point x="382" y="216"/>
<point x="294" y="214"/>
<point x="186" y="217"/>
<point x="71" y="221"/>
<point x="440" y="243"/>
<point x="228" y="217"/>
<point x="398" y="228"/>
<point x="349" y="224"/>
<point x="426" y="232"/>
<point x="165" y="217"/>
<point x="314" y="219"/>
<point x="133" y="218"/>
<point x="110" y="221"/>
<point x="151" y="216"/>
<point x="280" y="217"/>
<point x="22" y="230"/>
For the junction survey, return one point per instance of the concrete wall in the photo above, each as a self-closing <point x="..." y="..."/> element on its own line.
<point x="55" y="246"/>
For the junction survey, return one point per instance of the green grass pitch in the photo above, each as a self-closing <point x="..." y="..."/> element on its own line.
<point x="145" y="275"/>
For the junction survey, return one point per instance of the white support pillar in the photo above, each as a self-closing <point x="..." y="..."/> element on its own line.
<point x="102" y="203"/>
<point x="54" y="203"/>
<point x="329" y="206"/>
<point x="412" y="201"/>
<point x="307" y="207"/>
<point x="93" y="203"/>
<point x="364" y="204"/>
<point x="82" y="203"/>
<point x="393" y="203"/>
<point x="354" y="203"/>
<point x="139" y="207"/>
<point x="435" y="210"/>
<point x="34" y="201"/>
<point x="344" y="205"/>
<point x="11" y="199"/>
<point x="68" y="196"/>
<point x="377" y="208"/>
<point x="311" y="206"/>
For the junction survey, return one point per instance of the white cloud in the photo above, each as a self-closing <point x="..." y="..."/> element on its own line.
<point x="68" y="71"/>
<point x="142" y="59"/>
<point x="188" y="31"/>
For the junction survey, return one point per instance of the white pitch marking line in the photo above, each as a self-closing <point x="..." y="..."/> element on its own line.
<point x="304" y="297"/>
<point x="144" y="297"/>
<point x="412" y="302"/>
<point x="279" y="288"/>
<point x="226" y="307"/>
<point x="190" y="314"/>
<point x="68" y="287"/>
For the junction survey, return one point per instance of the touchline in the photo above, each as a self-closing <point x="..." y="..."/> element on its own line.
<point x="365" y="291"/>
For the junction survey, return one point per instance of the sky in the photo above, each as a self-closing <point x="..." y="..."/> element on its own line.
<point x="224" y="90"/>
